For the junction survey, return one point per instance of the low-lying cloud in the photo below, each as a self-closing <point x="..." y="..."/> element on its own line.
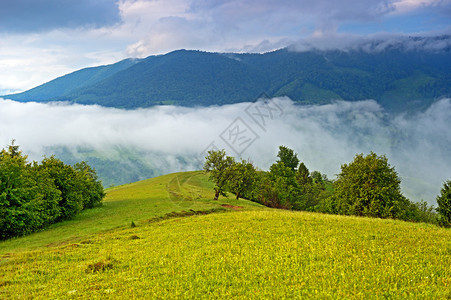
<point x="374" y="43"/>
<point x="175" y="138"/>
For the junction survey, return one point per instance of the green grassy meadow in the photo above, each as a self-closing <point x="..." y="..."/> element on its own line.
<point x="187" y="246"/>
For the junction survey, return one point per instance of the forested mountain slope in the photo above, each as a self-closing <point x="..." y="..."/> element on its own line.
<point x="398" y="77"/>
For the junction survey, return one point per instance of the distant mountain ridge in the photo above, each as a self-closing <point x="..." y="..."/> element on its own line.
<point x="398" y="77"/>
<point x="71" y="82"/>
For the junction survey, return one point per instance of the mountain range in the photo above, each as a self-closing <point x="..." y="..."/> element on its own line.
<point x="397" y="77"/>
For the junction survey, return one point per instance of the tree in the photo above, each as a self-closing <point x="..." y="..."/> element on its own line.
<point x="309" y="188"/>
<point x="46" y="197"/>
<point x="243" y="178"/>
<point x="218" y="166"/>
<point x="14" y="192"/>
<point x="423" y="212"/>
<point x="91" y="187"/>
<point x="369" y="186"/>
<point x="13" y="150"/>
<point x="317" y="177"/>
<point x="28" y="199"/>
<point x="288" y="157"/>
<point x="67" y="181"/>
<point x="34" y="195"/>
<point x="303" y="175"/>
<point x="279" y="188"/>
<point x="444" y="204"/>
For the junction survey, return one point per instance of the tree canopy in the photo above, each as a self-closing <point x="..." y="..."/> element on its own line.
<point x="288" y="157"/>
<point x="444" y="204"/>
<point x="243" y="178"/>
<point x="218" y="165"/>
<point x="34" y="195"/>
<point x="369" y="186"/>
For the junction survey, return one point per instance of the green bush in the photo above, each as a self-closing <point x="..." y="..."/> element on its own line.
<point x="35" y="195"/>
<point x="90" y="186"/>
<point x="369" y="186"/>
<point x="444" y="204"/>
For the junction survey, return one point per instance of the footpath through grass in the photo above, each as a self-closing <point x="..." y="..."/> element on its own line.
<point x="135" y="202"/>
<point x="252" y="252"/>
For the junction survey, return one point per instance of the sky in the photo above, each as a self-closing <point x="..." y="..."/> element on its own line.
<point x="44" y="39"/>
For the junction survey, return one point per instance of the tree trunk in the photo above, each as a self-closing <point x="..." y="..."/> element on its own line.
<point x="216" y="195"/>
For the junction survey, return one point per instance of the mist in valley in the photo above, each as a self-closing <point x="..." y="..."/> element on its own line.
<point x="142" y="143"/>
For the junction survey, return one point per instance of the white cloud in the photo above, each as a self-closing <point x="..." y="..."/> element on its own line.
<point x="405" y="6"/>
<point x="324" y="136"/>
<point x="30" y="60"/>
<point x="374" y="43"/>
<point x="238" y="25"/>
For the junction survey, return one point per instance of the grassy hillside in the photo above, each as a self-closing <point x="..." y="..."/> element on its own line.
<point x="137" y="202"/>
<point x="247" y="252"/>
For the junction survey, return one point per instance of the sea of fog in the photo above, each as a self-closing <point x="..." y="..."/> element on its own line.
<point x="177" y="138"/>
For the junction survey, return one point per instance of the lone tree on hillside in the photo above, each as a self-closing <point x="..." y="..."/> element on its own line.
<point x="218" y="165"/>
<point x="444" y="204"/>
<point x="369" y="186"/>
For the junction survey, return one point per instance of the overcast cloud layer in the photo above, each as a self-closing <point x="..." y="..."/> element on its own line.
<point x="25" y="16"/>
<point x="419" y="147"/>
<point x="45" y="39"/>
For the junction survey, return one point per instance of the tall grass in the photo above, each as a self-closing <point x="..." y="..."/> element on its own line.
<point x="254" y="252"/>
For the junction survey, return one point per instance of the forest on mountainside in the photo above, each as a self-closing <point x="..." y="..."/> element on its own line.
<point x="401" y="80"/>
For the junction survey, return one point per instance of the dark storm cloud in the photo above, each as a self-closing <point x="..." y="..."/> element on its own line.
<point x="25" y="16"/>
